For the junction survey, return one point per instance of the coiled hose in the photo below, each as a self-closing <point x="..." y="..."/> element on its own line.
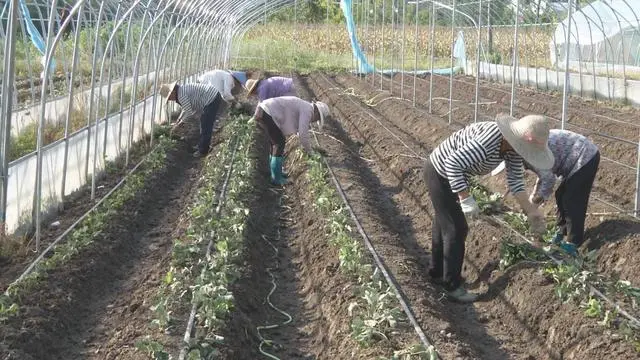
<point x="274" y="286"/>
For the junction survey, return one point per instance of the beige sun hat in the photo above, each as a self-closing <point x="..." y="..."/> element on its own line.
<point x="251" y="85"/>
<point x="529" y="137"/>
<point x="323" y="109"/>
<point x="166" y="89"/>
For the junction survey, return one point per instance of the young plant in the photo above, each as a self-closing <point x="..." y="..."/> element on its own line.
<point x="376" y="311"/>
<point x="87" y="231"/>
<point x="198" y="277"/>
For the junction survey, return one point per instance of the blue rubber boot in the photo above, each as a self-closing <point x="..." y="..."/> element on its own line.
<point x="276" y="171"/>
<point x="569" y="248"/>
<point x="284" y="174"/>
<point x="557" y="238"/>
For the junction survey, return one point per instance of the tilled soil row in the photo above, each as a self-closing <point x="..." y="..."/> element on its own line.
<point x="616" y="236"/>
<point x="75" y="205"/>
<point x="616" y="184"/>
<point x="97" y="305"/>
<point x="310" y="287"/>
<point x="518" y="317"/>
<point x="583" y="113"/>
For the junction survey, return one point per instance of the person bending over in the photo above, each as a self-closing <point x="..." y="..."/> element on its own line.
<point x="272" y="87"/>
<point x="284" y="116"/>
<point x="196" y="100"/>
<point x="576" y="162"/>
<point x="476" y="150"/>
<point x="228" y="83"/>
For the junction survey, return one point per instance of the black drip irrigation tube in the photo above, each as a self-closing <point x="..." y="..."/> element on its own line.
<point x="592" y="289"/>
<point x="379" y="262"/>
<point x="52" y="246"/>
<point x="221" y="197"/>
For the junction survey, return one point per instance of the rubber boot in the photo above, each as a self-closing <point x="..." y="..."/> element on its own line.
<point x="569" y="248"/>
<point x="276" y="171"/>
<point x="557" y="238"/>
<point x="284" y="174"/>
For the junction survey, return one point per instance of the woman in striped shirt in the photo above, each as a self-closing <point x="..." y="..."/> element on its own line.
<point x="196" y="100"/>
<point x="476" y="150"/>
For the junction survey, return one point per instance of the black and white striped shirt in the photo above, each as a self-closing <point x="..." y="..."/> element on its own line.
<point x="194" y="97"/>
<point x="475" y="150"/>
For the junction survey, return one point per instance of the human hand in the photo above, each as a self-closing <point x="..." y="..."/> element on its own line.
<point x="536" y="222"/>
<point x="469" y="207"/>
<point x="536" y="199"/>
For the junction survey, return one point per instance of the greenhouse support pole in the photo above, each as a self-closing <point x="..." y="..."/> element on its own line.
<point x="393" y="44"/>
<point x="295" y="35"/>
<point x="415" y="50"/>
<point x="382" y="26"/>
<point x="74" y="66"/>
<point x="431" y="55"/>
<point x="637" y="203"/>
<point x="514" y="60"/>
<point x="452" y="46"/>
<point x="7" y="106"/>
<point x="375" y="36"/>
<point x="108" y="50"/>
<point x="107" y="104"/>
<point x="94" y="65"/>
<point x="264" y="44"/>
<point x="565" y="90"/>
<point x="404" y="37"/>
<point x="475" y="110"/>
<point x="41" y="124"/>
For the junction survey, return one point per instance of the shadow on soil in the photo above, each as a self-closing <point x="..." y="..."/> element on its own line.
<point x="251" y="289"/>
<point x="610" y="231"/>
<point x="64" y="313"/>
<point x="474" y="334"/>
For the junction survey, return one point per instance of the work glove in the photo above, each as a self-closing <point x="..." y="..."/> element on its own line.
<point x="536" y="222"/>
<point x="536" y="199"/>
<point x="470" y="207"/>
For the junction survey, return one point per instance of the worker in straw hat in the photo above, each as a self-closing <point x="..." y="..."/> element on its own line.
<point x="476" y="150"/>
<point x="576" y="162"/>
<point x="283" y="116"/>
<point x="228" y="83"/>
<point x="268" y="88"/>
<point x="196" y="100"/>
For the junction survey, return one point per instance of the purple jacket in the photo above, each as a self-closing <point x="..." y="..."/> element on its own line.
<point x="275" y="87"/>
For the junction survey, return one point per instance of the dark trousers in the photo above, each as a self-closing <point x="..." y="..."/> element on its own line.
<point x="207" y="121"/>
<point x="572" y="200"/>
<point x="449" y="230"/>
<point x="276" y="137"/>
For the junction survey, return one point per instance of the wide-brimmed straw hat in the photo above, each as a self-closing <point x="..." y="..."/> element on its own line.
<point x="251" y="85"/>
<point x="166" y="90"/>
<point x="323" y="109"/>
<point x="529" y="137"/>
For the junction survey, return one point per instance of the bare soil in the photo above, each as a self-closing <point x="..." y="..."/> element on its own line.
<point x="97" y="305"/>
<point x="310" y="286"/>
<point x="21" y="248"/>
<point x="519" y="316"/>
<point x="615" y="234"/>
